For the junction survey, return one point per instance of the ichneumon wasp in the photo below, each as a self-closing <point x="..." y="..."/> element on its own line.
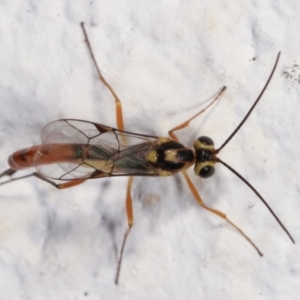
<point x="74" y="151"/>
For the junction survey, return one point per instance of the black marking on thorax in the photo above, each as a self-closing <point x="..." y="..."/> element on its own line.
<point x="172" y="156"/>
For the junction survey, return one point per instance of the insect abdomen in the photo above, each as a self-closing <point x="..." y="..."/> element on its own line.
<point x="45" y="155"/>
<point x="23" y="158"/>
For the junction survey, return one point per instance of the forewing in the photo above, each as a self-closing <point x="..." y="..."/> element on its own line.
<point x="111" y="152"/>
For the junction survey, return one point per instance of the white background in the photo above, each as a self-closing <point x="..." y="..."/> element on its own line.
<point x="165" y="60"/>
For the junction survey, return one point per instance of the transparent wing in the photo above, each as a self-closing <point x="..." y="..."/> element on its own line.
<point x="76" y="149"/>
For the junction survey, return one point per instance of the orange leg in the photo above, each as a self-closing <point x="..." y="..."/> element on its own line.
<point x="186" y="123"/>
<point x="119" y="115"/>
<point x="216" y="212"/>
<point x="130" y="224"/>
<point x="191" y="185"/>
<point x="120" y="126"/>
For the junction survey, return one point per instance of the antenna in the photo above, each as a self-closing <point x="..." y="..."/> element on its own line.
<point x="239" y="175"/>
<point x="252" y="107"/>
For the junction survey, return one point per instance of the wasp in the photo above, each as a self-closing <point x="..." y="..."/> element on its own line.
<point x="73" y="151"/>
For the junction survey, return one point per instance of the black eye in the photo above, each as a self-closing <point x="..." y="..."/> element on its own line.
<point x="206" y="140"/>
<point x="207" y="171"/>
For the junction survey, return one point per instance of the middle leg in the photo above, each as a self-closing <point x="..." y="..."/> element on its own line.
<point x="120" y="126"/>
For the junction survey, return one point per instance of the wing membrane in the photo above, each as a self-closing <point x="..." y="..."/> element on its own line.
<point x="76" y="149"/>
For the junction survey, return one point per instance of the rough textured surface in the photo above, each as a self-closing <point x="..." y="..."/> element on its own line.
<point x="165" y="61"/>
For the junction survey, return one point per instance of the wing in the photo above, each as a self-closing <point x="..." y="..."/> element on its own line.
<point x="76" y="149"/>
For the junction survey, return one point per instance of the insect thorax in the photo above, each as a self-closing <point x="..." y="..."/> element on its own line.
<point x="170" y="157"/>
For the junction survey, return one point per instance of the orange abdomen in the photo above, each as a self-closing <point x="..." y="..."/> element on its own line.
<point x="23" y="158"/>
<point x="45" y="155"/>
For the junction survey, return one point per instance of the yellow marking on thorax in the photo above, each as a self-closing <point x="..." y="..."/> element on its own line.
<point x="152" y="157"/>
<point x="164" y="140"/>
<point x="171" y="155"/>
<point x="165" y="173"/>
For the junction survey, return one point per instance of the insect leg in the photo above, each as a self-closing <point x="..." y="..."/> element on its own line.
<point x="130" y="224"/>
<point x="120" y="126"/>
<point x="119" y="115"/>
<point x="64" y="185"/>
<point x="186" y="123"/>
<point x="216" y="212"/>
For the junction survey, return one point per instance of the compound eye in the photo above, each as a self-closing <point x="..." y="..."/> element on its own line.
<point x="207" y="171"/>
<point x="206" y="140"/>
